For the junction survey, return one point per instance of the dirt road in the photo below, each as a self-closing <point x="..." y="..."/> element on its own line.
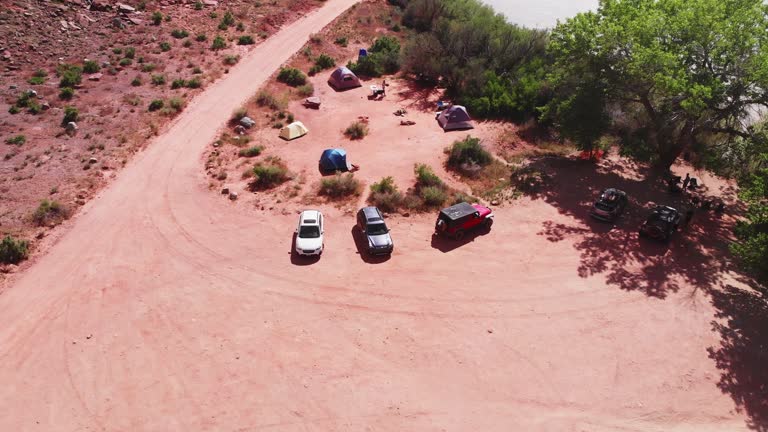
<point x="164" y="309"/>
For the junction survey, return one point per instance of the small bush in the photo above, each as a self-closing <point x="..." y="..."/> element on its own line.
<point x="198" y="5"/>
<point x="324" y="61"/>
<point x="316" y="38"/>
<point x="157" y="18"/>
<point x="356" y="130"/>
<point x="178" y="83"/>
<point x="130" y="52"/>
<point x="49" y="213"/>
<point x="187" y="43"/>
<point x="91" y="67"/>
<point x="148" y="67"/>
<point x="218" y="43"/>
<point x="267" y="99"/>
<point x="179" y="34"/>
<point x="465" y="154"/>
<point x="340" y="185"/>
<point x="33" y="107"/>
<point x="433" y="196"/>
<point x="13" y="109"/>
<point x="231" y="59"/>
<point x="13" y="251"/>
<point x="125" y="62"/>
<point x="176" y="104"/>
<point x="342" y="41"/>
<point x="269" y="173"/>
<point x="117" y="51"/>
<point x="158" y="79"/>
<point x="425" y="177"/>
<point x="245" y="40"/>
<point x="165" y="46"/>
<point x="238" y="115"/>
<point x="251" y="151"/>
<point x="156" y="105"/>
<point x="136" y="81"/>
<point x="66" y="93"/>
<point x="228" y="20"/>
<point x="201" y="37"/>
<point x="71" y="114"/>
<point x="24" y="100"/>
<point x="385" y="195"/>
<point x="36" y="80"/>
<point x="292" y="76"/>
<point x="16" y="140"/>
<point x="40" y="73"/>
<point x="194" y="83"/>
<point x="306" y="90"/>
<point x="70" y="75"/>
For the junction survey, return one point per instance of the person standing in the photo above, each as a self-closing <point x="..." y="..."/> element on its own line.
<point x="686" y="181"/>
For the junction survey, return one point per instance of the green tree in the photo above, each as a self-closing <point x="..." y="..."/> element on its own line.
<point x="687" y="70"/>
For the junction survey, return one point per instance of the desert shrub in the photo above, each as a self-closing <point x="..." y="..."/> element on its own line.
<point x="218" y="43"/>
<point x="178" y="83"/>
<point x="194" y="83"/>
<point x="148" y="67"/>
<point x="339" y="186"/>
<point x="383" y="58"/>
<point x="179" y="34"/>
<point x="34" y="107"/>
<point x="465" y="154"/>
<point x="24" y="99"/>
<point x="251" y="151"/>
<point x="157" y="18"/>
<point x="460" y="197"/>
<point x="238" y="114"/>
<point x="40" y="73"/>
<point x="136" y="81"/>
<point x="290" y="118"/>
<point x="16" y="140"/>
<point x="13" y="251"/>
<point x="240" y="26"/>
<point x="267" y="99"/>
<point x="324" y="61"/>
<point x="38" y="77"/>
<point x="196" y="70"/>
<point x="396" y="28"/>
<point x="156" y="105"/>
<point x="165" y="46"/>
<point x="187" y="43"/>
<point x="90" y="66"/>
<point x="433" y="196"/>
<point x="425" y="177"/>
<point x="158" y="79"/>
<point x="356" y="130"/>
<point x="245" y="40"/>
<point x="130" y="52"/>
<point x="125" y="62"/>
<point x="71" y="114"/>
<point x="306" y="90"/>
<point x="292" y="76"/>
<point x="277" y="125"/>
<point x="13" y="109"/>
<point x="231" y="59"/>
<point x="66" y="93"/>
<point x="315" y="38"/>
<point x="385" y="195"/>
<point x="201" y="37"/>
<point x="175" y="105"/>
<point x="227" y="21"/>
<point x="117" y="51"/>
<point x="342" y="41"/>
<point x="70" y="75"/>
<point x="269" y="173"/>
<point x="49" y="213"/>
<point x="198" y="5"/>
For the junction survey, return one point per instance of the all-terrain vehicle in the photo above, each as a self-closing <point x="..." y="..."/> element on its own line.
<point x="661" y="223"/>
<point x="609" y="205"/>
<point x="456" y="220"/>
<point x="371" y="223"/>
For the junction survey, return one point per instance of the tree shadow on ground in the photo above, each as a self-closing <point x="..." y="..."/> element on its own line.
<point x="743" y="352"/>
<point x="418" y="96"/>
<point x="362" y="248"/>
<point x="696" y="254"/>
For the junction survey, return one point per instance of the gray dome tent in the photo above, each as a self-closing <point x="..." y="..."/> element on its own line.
<point x="455" y="117"/>
<point x="343" y="79"/>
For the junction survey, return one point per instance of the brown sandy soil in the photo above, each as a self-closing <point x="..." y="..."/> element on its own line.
<point x="167" y="307"/>
<point x="114" y="122"/>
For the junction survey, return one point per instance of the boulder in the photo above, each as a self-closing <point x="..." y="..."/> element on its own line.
<point x="71" y="127"/>
<point x="124" y="8"/>
<point x="212" y="3"/>
<point x="92" y="160"/>
<point x="247" y="122"/>
<point x="45" y="106"/>
<point x="95" y="77"/>
<point x="233" y="196"/>
<point x="240" y="130"/>
<point x="225" y="191"/>
<point x="100" y="5"/>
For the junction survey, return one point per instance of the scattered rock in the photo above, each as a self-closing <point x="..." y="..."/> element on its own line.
<point x="92" y="160"/>
<point x="233" y="196"/>
<point x="406" y="214"/>
<point x="124" y="8"/>
<point x="64" y="24"/>
<point x="212" y="3"/>
<point x="45" y="106"/>
<point x="89" y="336"/>
<point x="118" y="23"/>
<point x="495" y="202"/>
<point x="81" y="195"/>
<point x="100" y="5"/>
<point x="71" y="127"/>
<point x="40" y="235"/>
<point x="240" y="130"/>
<point x="80" y="202"/>
<point x="247" y="122"/>
<point x="490" y="331"/>
<point x="8" y="268"/>
<point x="135" y="21"/>
<point x="95" y="77"/>
<point x="6" y="55"/>
<point x="225" y="191"/>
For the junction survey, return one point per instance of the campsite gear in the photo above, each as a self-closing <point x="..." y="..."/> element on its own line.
<point x="693" y="184"/>
<point x="343" y="79"/>
<point x="293" y="131"/>
<point x="407" y="122"/>
<point x="455" y="117"/>
<point x="334" y="160"/>
<point x="362" y="53"/>
<point x="312" y="102"/>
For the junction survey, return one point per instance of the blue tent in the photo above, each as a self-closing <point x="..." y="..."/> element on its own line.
<point x="362" y="53"/>
<point x="334" y="160"/>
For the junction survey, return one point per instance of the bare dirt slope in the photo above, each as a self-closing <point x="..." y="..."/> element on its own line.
<point x="164" y="310"/>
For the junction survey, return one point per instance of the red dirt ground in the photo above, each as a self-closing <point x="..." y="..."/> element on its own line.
<point x="166" y="307"/>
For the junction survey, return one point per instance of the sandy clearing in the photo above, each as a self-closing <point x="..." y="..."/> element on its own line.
<point x="163" y="309"/>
